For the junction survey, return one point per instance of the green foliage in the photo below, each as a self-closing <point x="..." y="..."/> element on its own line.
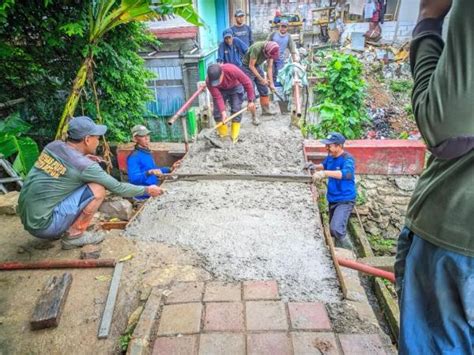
<point x="381" y="246"/>
<point x="339" y="97"/>
<point x="404" y="135"/>
<point x="42" y="46"/>
<point x="401" y="86"/>
<point x="124" y="340"/>
<point x="13" y="141"/>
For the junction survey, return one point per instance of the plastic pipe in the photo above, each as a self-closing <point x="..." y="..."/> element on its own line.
<point x="370" y="270"/>
<point x="186" y="105"/>
<point x="57" y="264"/>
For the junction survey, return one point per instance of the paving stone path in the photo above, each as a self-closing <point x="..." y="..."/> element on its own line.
<point x="249" y="318"/>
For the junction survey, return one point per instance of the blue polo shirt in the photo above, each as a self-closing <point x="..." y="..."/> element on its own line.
<point x="341" y="190"/>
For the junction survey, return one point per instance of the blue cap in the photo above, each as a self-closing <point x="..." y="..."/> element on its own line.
<point x="334" y="138"/>
<point x="239" y="13"/>
<point x="227" y="33"/>
<point x="82" y="126"/>
<point x="284" y="22"/>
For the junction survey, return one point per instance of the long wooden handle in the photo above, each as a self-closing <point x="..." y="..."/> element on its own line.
<point x="230" y="118"/>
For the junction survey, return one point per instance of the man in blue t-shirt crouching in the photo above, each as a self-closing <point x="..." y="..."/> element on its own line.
<point x="339" y="168"/>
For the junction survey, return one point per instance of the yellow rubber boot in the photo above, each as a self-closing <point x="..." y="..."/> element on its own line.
<point x="223" y="131"/>
<point x="234" y="134"/>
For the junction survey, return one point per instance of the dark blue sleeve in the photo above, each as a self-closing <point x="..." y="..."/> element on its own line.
<point x="220" y="53"/>
<point x="348" y="168"/>
<point x="135" y="175"/>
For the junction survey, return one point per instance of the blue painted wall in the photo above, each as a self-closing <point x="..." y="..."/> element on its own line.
<point x="222" y="12"/>
<point x="208" y="33"/>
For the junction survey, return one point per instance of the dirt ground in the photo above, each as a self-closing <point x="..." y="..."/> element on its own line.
<point x="153" y="264"/>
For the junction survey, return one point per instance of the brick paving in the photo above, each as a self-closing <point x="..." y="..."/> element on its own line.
<point x="249" y="318"/>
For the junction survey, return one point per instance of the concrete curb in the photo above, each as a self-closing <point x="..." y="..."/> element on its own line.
<point x="388" y="304"/>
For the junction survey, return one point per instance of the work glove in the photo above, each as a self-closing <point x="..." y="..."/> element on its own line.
<point x="318" y="176"/>
<point x="309" y="166"/>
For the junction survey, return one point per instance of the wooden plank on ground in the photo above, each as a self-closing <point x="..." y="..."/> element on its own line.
<point x="106" y="321"/>
<point x="51" y="302"/>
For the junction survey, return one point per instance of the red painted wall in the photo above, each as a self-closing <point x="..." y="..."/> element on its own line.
<point x="379" y="157"/>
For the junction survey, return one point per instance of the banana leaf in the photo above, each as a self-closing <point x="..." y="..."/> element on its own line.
<point x="26" y="149"/>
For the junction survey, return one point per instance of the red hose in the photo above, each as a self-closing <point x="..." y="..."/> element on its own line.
<point x="57" y="264"/>
<point x="390" y="276"/>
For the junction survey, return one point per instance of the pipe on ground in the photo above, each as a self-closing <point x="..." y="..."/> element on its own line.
<point x="57" y="264"/>
<point x="186" y="105"/>
<point x="366" y="269"/>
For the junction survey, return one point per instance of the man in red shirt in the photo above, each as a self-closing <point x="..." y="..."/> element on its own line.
<point x="226" y="83"/>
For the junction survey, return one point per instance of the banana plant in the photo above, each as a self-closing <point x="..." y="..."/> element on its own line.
<point x="13" y="141"/>
<point x="104" y="16"/>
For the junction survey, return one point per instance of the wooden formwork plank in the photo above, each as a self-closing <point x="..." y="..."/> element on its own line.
<point x="50" y="305"/>
<point x="106" y="321"/>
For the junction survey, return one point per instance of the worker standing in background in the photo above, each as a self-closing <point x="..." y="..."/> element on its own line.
<point x="141" y="167"/>
<point x="339" y="168"/>
<point x="285" y="42"/>
<point x="257" y="54"/>
<point x="434" y="267"/>
<point x="241" y="30"/>
<point x="231" y="50"/>
<point x="227" y="83"/>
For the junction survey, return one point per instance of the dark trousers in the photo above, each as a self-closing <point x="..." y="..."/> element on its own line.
<point x="234" y="97"/>
<point x="339" y="214"/>
<point x="262" y="89"/>
<point x="277" y="65"/>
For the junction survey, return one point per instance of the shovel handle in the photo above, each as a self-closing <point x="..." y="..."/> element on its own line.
<point x="230" y="118"/>
<point x="277" y="95"/>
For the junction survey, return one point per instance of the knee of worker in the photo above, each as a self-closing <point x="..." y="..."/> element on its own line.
<point x="98" y="191"/>
<point x="262" y="89"/>
<point x="337" y="229"/>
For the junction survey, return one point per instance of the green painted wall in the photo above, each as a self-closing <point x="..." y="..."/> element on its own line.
<point x="208" y="32"/>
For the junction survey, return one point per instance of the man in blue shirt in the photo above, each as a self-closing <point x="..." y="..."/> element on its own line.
<point x="284" y="40"/>
<point x="231" y="50"/>
<point x="339" y="168"/>
<point x="141" y="167"/>
<point x="241" y="30"/>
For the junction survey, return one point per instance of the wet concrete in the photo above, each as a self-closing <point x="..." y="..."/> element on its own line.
<point x="244" y="229"/>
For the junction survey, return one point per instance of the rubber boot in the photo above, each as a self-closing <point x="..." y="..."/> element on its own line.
<point x="255" y="120"/>
<point x="223" y="131"/>
<point x="235" y="130"/>
<point x="265" y="103"/>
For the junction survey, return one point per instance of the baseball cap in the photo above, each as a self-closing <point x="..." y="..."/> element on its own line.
<point x="227" y="33"/>
<point x="284" y="22"/>
<point x="334" y="138"/>
<point x="214" y="72"/>
<point x="140" y="130"/>
<point x="82" y="126"/>
<point x="239" y="13"/>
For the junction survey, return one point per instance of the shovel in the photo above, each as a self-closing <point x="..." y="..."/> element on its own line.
<point x="206" y="133"/>
<point x="281" y="102"/>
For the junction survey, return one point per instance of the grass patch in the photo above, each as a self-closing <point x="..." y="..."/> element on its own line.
<point x="401" y="86"/>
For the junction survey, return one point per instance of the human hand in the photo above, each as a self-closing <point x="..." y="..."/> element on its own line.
<point x="318" y="175"/>
<point x="156" y="172"/>
<point x="264" y="82"/>
<point x="272" y="87"/>
<point x="309" y="166"/>
<point x="224" y="116"/>
<point x="176" y="165"/>
<point x="434" y="9"/>
<point x="252" y="108"/>
<point x="95" y="158"/>
<point x="154" y="190"/>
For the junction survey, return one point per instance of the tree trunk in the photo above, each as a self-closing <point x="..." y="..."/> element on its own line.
<point x="73" y="98"/>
